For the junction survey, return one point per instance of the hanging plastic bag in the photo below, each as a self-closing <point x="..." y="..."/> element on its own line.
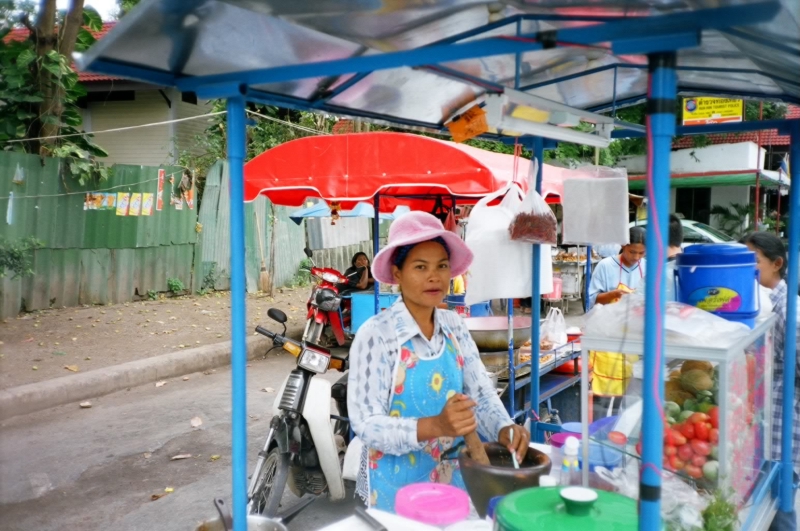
<point x="554" y="329"/>
<point x="450" y="223"/>
<point x="595" y="204"/>
<point x="501" y="269"/>
<point x="535" y="221"/>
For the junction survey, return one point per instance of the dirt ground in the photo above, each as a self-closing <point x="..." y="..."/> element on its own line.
<point x="40" y="345"/>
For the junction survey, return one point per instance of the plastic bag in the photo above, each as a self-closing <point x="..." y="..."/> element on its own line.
<point x="554" y="328"/>
<point x="501" y="269"/>
<point x="684" y="324"/>
<point x="535" y="221"/>
<point x="595" y="204"/>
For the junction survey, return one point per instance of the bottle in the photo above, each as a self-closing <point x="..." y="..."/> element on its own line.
<point x="570" y="469"/>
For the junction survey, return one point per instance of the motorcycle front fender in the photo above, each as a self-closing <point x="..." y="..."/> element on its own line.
<point x="317" y="412"/>
<point x="336" y="326"/>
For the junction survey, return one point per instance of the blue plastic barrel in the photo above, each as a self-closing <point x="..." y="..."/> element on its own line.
<point x="720" y="278"/>
<point x="482" y="309"/>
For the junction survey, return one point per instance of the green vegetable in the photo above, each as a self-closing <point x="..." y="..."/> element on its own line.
<point x="671" y="409"/>
<point x="709" y="394"/>
<point x="720" y="515"/>
<point x="670" y="420"/>
<point x="690" y="405"/>
<point x="714" y="453"/>
<point x="685" y="415"/>
<point x="711" y="470"/>
<point x="705" y="407"/>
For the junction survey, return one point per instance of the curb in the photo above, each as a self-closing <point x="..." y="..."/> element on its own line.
<point x="30" y="398"/>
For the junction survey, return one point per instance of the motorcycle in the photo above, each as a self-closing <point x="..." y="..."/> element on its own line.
<point x="324" y="304"/>
<point x="302" y="449"/>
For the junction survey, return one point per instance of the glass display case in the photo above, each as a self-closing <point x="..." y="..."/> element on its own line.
<point x="717" y="411"/>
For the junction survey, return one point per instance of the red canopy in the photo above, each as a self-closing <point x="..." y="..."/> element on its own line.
<point x="352" y="168"/>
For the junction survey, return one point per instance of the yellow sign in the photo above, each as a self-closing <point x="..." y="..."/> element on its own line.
<point x="702" y="111"/>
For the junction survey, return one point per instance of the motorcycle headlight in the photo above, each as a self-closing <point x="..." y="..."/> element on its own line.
<point x="314" y="361"/>
<point x="330" y="277"/>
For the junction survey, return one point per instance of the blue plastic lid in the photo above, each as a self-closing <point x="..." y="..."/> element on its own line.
<point x="709" y="254"/>
<point x="492" y="506"/>
<point x="601" y="455"/>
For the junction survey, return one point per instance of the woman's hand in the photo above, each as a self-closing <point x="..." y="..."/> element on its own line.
<point x="520" y="443"/>
<point x="610" y="296"/>
<point x="456" y="419"/>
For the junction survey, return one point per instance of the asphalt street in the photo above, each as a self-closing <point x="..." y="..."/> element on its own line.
<point x="98" y="468"/>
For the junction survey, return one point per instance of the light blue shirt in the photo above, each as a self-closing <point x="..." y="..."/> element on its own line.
<point x="610" y="273"/>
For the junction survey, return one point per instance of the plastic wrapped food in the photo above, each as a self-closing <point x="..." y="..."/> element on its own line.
<point x="532" y="227"/>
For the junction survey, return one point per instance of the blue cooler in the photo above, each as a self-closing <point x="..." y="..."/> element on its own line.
<point x="720" y="278"/>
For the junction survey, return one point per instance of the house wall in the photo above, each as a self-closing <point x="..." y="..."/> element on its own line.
<point x="187" y="132"/>
<point x="726" y="196"/>
<point x="147" y="146"/>
<point x="722" y="157"/>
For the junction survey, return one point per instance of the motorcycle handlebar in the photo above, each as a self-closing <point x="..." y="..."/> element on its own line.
<point x="264" y="332"/>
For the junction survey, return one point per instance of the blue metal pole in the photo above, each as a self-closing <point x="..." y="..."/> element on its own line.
<point x="512" y="367"/>
<point x="236" y="151"/>
<point x="587" y="278"/>
<point x="536" y="298"/>
<point x="661" y="128"/>
<point x="376" y="246"/>
<point x="790" y="346"/>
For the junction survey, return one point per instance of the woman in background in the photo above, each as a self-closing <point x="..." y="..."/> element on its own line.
<point x="359" y="276"/>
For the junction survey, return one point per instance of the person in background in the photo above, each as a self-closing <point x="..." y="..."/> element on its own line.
<point x="359" y="276"/>
<point x="673" y="250"/>
<point x="771" y="262"/>
<point x="613" y="278"/>
<point x="618" y="275"/>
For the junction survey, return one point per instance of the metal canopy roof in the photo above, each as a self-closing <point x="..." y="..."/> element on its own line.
<point x="340" y="56"/>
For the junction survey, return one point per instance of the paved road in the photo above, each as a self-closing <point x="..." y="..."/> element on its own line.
<point x="72" y="468"/>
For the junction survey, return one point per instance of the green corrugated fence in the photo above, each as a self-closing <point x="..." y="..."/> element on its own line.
<point x="94" y="256"/>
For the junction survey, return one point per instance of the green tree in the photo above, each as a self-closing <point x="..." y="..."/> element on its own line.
<point x="39" y="90"/>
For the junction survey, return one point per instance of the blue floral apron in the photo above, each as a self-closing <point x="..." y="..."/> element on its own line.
<point x="421" y="389"/>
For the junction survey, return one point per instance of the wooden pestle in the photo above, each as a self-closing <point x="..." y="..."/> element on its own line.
<point x="476" y="449"/>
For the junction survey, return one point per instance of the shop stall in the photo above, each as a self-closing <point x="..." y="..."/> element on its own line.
<point x="533" y="70"/>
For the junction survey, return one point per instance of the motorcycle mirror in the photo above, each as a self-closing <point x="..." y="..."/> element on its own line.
<point x="277" y="315"/>
<point x="308" y="252"/>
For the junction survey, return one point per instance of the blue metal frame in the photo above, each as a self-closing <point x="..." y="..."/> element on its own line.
<point x="783" y="127"/>
<point x="659" y="34"/>
<point x="661" y="127"/>
<point x="236" y="153"/>
<point x="376" y="246"/>
<point x="790" y="345"/>
<point x="536" y="300"/>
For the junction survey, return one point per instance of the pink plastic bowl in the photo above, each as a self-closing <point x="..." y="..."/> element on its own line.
<point x="432" y="503"/>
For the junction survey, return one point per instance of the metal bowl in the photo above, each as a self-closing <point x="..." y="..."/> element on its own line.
<point x="491" y="333"/>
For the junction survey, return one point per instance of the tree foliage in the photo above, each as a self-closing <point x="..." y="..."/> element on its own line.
<point x="39" y="90"/>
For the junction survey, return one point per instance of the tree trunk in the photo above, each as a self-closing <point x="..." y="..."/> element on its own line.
<point x="47" y="40"/>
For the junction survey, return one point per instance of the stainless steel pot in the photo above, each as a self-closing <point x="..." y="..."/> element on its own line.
<point x="491" y="333"/>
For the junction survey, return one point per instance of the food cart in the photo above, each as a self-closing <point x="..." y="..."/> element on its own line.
<point x="400" y="63"/>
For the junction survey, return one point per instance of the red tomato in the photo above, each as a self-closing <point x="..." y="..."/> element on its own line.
<point x="701" y="431"/>
<point x="713" y="435"/>
<point x="698" y="417"/>
<point x="688" y="430"/>
<point x="675" y="463"/>
<point x="639" y="448"/>
<point x="618" y="438"/>
<point x="693" y="471"/>
<point x="674" y="438"/>
<point x="685" y="452"/>
<point x="701" y="447"/>
<point x="699" y="461"/>
<point x="713" y="416"/>
<point x="669" y="451"/>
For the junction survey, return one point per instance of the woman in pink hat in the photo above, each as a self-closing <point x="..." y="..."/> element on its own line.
<point x="417" y="384"/>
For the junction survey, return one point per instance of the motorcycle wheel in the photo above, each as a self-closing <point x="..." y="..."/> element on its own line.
<point x="271" y="483"/>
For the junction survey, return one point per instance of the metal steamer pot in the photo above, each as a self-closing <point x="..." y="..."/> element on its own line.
<point x="491" y="333"/>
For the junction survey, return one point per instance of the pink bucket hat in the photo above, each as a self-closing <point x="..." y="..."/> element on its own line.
<point x="418" y="227"/>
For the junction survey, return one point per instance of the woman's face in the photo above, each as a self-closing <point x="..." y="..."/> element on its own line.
<point x="632" y="253"/>
<point x="362" y="261"/>
<point x="425" y="276"/>
<point x="769" y="271"/>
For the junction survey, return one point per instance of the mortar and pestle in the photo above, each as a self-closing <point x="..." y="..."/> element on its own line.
<point x="488" y="471"/>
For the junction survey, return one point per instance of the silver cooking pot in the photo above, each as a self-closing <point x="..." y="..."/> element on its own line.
<point x="491" y="333"/>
